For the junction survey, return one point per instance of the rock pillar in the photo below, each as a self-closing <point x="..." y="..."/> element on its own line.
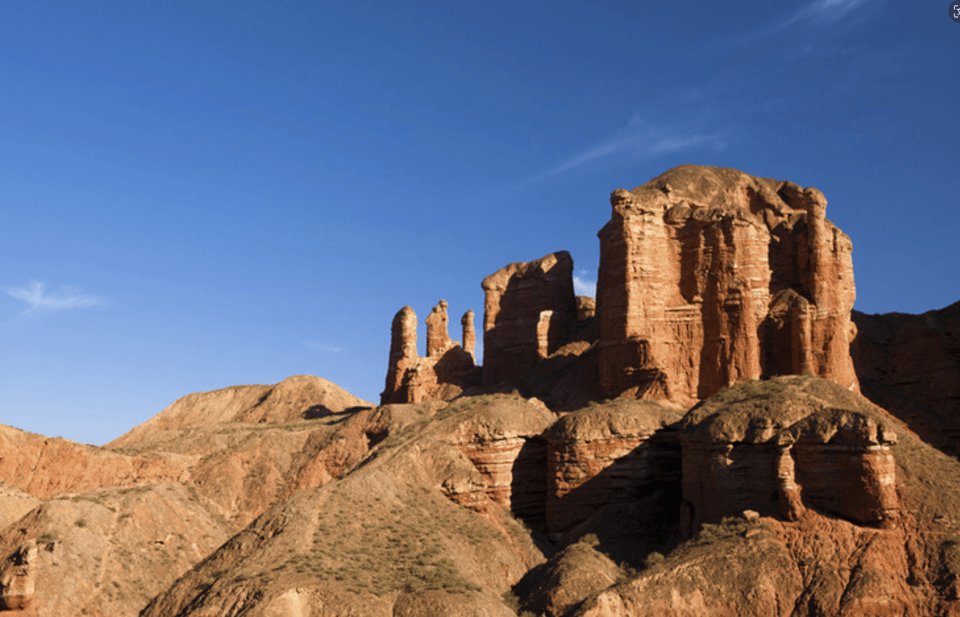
<point x="438" y="334"/>
<point x="469" y="334"/>
<point x="403" y="355"/>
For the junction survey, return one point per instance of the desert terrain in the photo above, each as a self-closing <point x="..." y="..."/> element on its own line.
<point x="717" y="433"/>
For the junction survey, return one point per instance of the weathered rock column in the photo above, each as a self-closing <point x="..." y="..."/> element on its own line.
<point x="403" y="355"/>
<point x="699" y="270"/>
<point x="791" y="503"/>
<point x="830" y="284"/>
<point x="630" y="293"/>
<point x="469" y="334"/>
<point x="438" y="334"/>
<point x="543" y="333"/>
<point x="800" y="319"/>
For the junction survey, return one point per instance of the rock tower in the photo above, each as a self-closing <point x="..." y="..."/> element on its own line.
<point x="709" y="276"/>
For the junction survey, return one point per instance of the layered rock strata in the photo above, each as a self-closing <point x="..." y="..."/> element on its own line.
<point x="447" y="369"/>
<point x="501" y="436"/>
<point x="608" y="454"/>
<point x="776" y="448"/>
<point x="527" y="308"/>
<point x="710" y="277"/>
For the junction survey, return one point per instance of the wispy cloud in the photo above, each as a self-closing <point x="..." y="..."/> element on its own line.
<point x="38" y="299"/>
<point x="584" y="287"/>
<point x="324" y="347"/>
<point x="822" y="12"/>
<point x="637" y="141"/>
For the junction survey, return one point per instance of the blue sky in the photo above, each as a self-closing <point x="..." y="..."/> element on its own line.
<point x="199" y="195"/>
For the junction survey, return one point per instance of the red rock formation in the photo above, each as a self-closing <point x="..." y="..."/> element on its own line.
<point x="516" y="299"/>
<point x="47" y="466"/>
<point x="607" y="454"/>
<point x="779" y="448"/>
<point x="845" y="466"/>
<point x="442" y="375"/>
<point x="586" y="308"/>
<point x="438" y="333"/>
<point x="403" y="358"/>
<point x="501" y="437"/>
<point x="710" y="277"/>
<point x="469" y="334"/>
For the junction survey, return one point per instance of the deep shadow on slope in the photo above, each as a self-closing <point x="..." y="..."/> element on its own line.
<point x="910" y="366"/>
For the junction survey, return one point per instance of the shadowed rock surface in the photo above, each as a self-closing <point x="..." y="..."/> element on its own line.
<point x="527" y="308"/>
<point x="611" y="453"/>
<point x="910" y="365"/>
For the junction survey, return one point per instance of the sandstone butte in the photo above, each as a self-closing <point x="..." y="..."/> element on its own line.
<point x="693" y="442"/>
<point x="708" y="277"/>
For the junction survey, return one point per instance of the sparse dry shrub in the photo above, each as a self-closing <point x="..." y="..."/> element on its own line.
<point x="589" y="539"/>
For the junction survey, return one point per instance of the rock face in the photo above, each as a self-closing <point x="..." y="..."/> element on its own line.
<point x="443" y="374"/>
<point x="501" y="436"/>
<point x="608" y="454"/>
<point x="46" y="466"/>
<point x="779" y="447"/>
<point x="710" y="277"/>
<point x="806" y="506"/>
<point x="910" y="366"/>
<point x="527" y="309"/>
<point x="18" y="578"/>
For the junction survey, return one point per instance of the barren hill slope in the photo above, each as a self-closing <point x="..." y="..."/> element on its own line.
<point x="99" y="531"/>
<point x="422" y="527"/>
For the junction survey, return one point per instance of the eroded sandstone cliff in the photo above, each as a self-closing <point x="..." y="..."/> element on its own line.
<point x="710" y="277"/>
<point x="527" y="308"/>
<point x="448" y="367"/>
<point x="608" y="454"/>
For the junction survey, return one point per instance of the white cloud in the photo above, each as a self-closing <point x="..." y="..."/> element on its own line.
<point x="38" y="299"/>
<point x="584" y="287"/>
<point x="638" y="140"/>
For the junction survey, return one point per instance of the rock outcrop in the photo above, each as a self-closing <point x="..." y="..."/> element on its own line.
<point x="709" y="277"/>
<point x="527" y="309"/>
<point x="607" y="454"/>
<point x="501" y="436"/>
<point x="781" y="446"/>
<point x="18" y="578"/>
<point x="46" y="466"/>
<point x="447" y="369"/>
